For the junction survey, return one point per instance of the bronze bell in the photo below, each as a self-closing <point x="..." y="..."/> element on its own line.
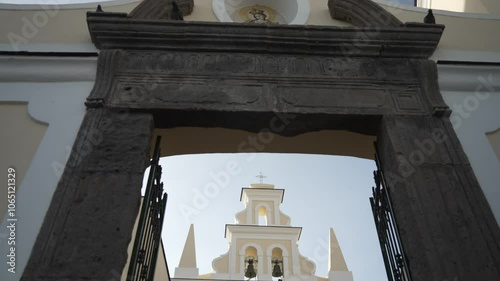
<point x="250" y="270"/>
<point x="277" y="270"/>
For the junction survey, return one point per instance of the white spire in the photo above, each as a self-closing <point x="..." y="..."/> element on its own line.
<point x="187" y="265"/>
<point x="337" y="267"/>
<point x="336" y="261"/>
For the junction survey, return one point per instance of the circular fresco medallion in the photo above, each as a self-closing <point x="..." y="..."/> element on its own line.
<point x="262" y="11"/>
<point x="257" y="14"/>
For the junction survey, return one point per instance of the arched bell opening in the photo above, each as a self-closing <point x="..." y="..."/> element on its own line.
<point x="250" y="271"/>
<point x="277" y="264"/>
<point x="262" y="216"/>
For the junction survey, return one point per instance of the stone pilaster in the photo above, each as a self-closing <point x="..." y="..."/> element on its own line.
<point x="446" y="226"/>
<point x="89" y="223"/>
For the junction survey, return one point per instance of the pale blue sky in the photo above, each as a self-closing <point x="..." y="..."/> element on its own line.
<point x="320" y="192"/>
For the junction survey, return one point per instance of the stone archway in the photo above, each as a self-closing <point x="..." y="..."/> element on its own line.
<point x="375" y="80"/>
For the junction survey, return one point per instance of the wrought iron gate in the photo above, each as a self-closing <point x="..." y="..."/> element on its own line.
<point x="148" y="234"/>
<point x="396" y="264"/>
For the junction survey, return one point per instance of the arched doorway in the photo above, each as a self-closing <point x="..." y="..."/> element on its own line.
<point x="373" y="81"/>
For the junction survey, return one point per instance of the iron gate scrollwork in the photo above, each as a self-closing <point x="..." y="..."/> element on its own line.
<point x="395" y="261"/>
<point x="148" y="234"/>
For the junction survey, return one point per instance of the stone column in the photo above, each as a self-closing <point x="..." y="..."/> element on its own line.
<point x="89" y="224"/>
<point x="447" y="228"/>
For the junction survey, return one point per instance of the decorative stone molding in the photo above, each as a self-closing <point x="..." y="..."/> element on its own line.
<point x="362" y="13"/>
<point x="114" y="31"/>
<point x="149" y="80"/>
<point x="160" y="9"/>
<point x="106" y="66"/>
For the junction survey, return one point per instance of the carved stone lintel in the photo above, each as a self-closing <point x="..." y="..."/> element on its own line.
<point x="147" y="80"/>
<point x="362" y="13"/>
<point x="160" y="9"/>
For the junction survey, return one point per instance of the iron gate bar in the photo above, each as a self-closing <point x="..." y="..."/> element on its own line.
<point x="158" y="239"/>
<point x="148" y="234"/>
<point x="395" y="260"/>
<point x="380" y="236"/>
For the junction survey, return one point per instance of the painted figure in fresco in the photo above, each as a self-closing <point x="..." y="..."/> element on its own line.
<point x="259" y="16"/>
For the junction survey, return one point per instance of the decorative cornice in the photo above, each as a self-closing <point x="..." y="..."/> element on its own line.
<point x="105" y="67"/>
<point x="257" y="230"/>
<point x="117" y="31"/>
<point x="362" y="13"/>
<point x="278" y="193"/>
<point x="160" y="9"/>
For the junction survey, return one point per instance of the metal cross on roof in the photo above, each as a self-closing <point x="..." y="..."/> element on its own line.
<point x="261" y="177"/>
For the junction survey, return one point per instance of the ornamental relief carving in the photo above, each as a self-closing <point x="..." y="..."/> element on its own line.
<point x="407" y="100"/>
<point x="261" y="64"/>
<point x="208" y="94"/>
<point x="133" y="93"/>
<point x="191" y="92"/>
<point x="163" y="79"/>
<point x="334" y="97"/>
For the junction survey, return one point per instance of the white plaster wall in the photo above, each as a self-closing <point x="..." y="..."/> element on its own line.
<point x="482" y="6"/>
<point x="56" y="98"/>
<point x="52" y="28"/>
<point x="447" y="5"/>
<point x="494" y="139"/>
<point x="18" y="144"/>
<point x="473" y="93"/>
<point x="468" y="6"/>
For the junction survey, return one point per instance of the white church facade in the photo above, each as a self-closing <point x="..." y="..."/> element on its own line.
<point x="262" y="245"/>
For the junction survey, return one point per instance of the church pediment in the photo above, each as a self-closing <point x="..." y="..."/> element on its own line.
<point x="138" y="31"/>
<point x="118" y="31"/>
